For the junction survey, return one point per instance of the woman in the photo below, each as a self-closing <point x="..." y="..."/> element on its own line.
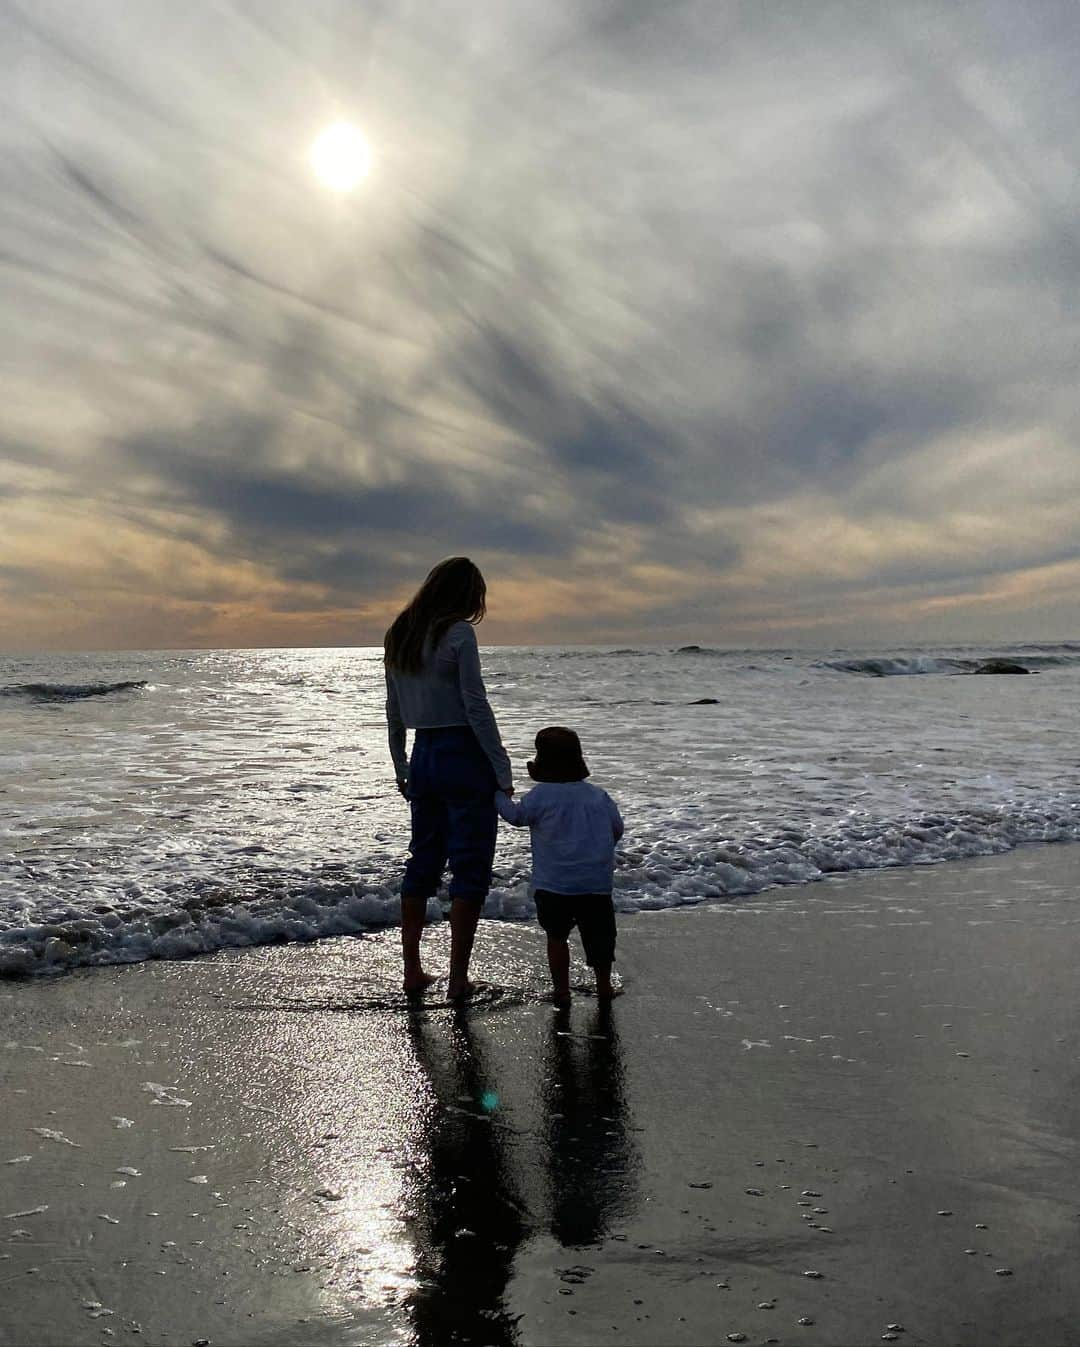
<point x="434" y="686"/>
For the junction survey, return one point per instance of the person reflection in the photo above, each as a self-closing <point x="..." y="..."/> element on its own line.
<point x="462" y="1209"/>
<point x="589" y="1154"/>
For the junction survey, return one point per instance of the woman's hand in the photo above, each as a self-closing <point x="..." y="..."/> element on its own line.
<point x="403" y="787"/>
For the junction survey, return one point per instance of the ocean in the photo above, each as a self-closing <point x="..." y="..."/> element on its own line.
<point x="166" y="804"/>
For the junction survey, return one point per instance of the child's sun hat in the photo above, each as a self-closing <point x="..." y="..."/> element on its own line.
<point x="558" y="756"/>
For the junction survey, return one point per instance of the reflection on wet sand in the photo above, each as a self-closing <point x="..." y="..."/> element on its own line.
<point x="590" y="1158"/>
<point x="476" y="1188"/>
<point x="462" y="1206"/>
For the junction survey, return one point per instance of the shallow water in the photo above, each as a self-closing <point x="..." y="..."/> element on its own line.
<point x="162" y="804"/>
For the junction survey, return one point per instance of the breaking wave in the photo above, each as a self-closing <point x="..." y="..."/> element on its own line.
<point x="885" y="667"/>
<point x="260" y="908"/>
<point x="68" y="692"/>
<point x="892" y="666"/>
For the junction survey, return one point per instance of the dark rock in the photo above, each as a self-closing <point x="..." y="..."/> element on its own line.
<point x="1001" y="666"/>
<point x="688" y="650"/>
<point x="706" y="701"/>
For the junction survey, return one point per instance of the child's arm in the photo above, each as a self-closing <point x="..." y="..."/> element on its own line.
<point x="513" y="811"/>
<point x="617" y="825"/>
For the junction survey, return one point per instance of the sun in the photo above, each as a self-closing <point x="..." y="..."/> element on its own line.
<point x="340" y="156"/>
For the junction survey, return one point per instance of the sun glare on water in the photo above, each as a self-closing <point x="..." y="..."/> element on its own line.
<point x="340" y="156"/>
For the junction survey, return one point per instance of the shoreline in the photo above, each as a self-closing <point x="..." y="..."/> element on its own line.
<point x="213" y="922"/>
<point x="317" y="1164"/>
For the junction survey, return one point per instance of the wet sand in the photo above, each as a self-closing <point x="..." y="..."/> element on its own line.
<point x="872" y="1078"/>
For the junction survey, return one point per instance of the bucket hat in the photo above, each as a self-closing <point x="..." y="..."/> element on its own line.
<point x="558" y="756"/>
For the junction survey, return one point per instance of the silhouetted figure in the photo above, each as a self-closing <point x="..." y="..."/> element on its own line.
<point x="591" y="1159"/>
<point x="573" y="828"/>
<point x="434" y="686"/>
<point x="462" y="1209"/>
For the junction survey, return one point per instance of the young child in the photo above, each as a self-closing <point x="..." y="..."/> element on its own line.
<point x="574" y="828"/>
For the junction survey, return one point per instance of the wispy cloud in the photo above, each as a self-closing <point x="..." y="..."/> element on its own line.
<point x="742" y="321"/>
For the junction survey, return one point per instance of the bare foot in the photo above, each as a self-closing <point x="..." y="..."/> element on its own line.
<point x="460" y="991"/>
<point x="608" y="992"/>
<point x="561" y="998"/>
<point x="418" y="985"/>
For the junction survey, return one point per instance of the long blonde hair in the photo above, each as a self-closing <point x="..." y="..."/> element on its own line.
<point x="454" y="591"/>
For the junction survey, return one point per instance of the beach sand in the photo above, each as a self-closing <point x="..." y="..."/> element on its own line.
<point x="873" y="1078"/>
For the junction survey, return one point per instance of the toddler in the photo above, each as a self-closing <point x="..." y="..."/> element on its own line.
<point x="574" y="827"/>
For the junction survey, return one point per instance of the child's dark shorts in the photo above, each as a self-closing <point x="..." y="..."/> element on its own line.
<point x="592" y="913"/>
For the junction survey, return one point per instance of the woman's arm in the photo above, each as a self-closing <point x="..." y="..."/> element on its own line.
<point x="479" y="714"/>
<point x="396" y="732"/>
<point x="617" y="826"/>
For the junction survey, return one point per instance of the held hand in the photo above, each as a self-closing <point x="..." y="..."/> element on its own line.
<point x="403" y="787"/>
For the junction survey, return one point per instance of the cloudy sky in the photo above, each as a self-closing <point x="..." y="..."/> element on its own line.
<point x="734" y="322"/>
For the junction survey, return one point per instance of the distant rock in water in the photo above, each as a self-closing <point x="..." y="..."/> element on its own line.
<point x="1001" y="666"/>
<point x="688" y="650"/>
<point x="706" y="701"/>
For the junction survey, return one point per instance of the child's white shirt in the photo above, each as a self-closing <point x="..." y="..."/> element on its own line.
<point x="574" y="827"/>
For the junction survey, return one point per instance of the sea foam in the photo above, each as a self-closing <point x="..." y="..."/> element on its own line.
<point x="649" y="877"/>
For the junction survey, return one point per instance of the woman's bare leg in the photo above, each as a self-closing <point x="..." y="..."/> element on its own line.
<point x="413" y="912"/>
<point x="464" y="915"/>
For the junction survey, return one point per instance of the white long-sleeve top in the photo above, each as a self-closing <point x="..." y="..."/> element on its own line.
<point x="573" y="827"/>
<point x="448" y="690"/>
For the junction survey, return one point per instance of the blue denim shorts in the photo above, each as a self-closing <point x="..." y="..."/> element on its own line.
<point x="454" y="821"/>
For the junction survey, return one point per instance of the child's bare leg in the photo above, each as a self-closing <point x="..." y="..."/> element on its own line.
<point x="558" y="952"/>
<point x="604" y="990"/>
